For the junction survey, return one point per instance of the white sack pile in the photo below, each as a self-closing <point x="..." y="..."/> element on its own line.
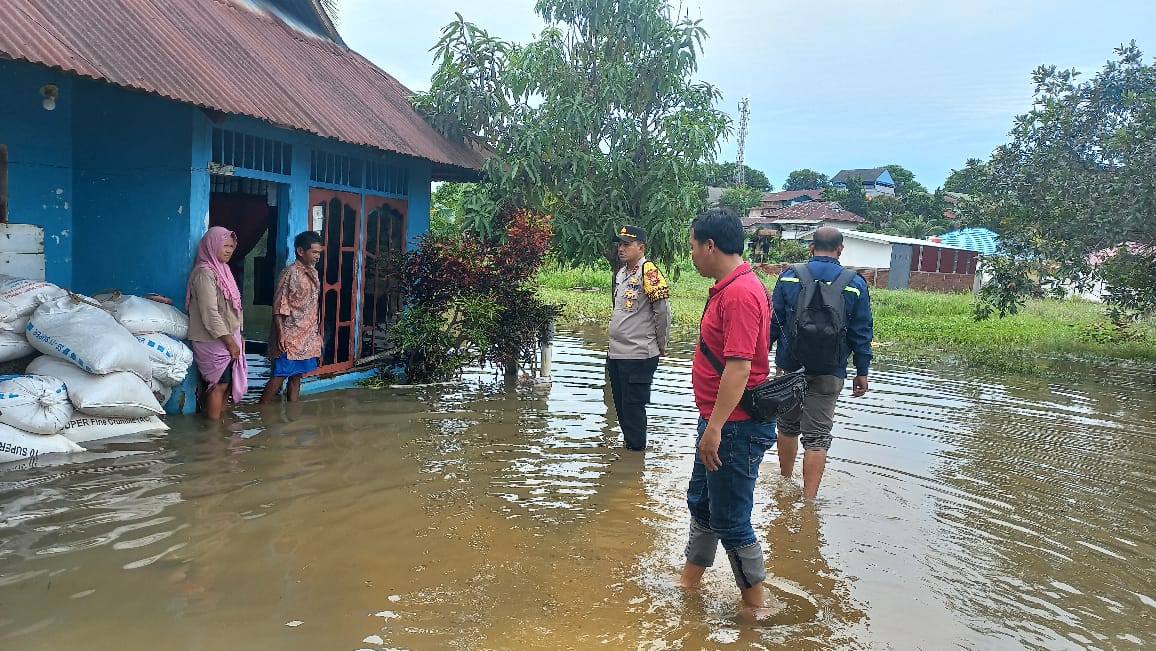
<point x="19" y="298"/>
<point x="107" y="369"/>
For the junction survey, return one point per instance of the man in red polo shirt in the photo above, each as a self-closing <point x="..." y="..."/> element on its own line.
<point x="732" y="355"/>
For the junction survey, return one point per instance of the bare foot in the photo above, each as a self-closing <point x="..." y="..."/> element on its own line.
<point x="762" y="614"/>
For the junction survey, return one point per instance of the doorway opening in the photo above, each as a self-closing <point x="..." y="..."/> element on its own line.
<point x="248" y="207"/>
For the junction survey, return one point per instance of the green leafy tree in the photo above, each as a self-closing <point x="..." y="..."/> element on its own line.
<point x="788" y="251"/>
<point x="598" y="122"/>
<point x="446" y="206"/>
<point x="964" y="180"/>
<point x="929" y="206"/>
<point x="1010" y="285"/>
<point x="742" y="198"/>
<point x="1076" y="180"/>
<point x="806" y="179"/>
<point x="852" y="197"/>
<point x="882" y="209"/>
<point x="722" y="175"/>
<point x="905" y="182"/>
<point x="916" y="226"/>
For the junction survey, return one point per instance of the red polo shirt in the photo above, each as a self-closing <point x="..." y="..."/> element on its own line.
<point x="735" y="324"/>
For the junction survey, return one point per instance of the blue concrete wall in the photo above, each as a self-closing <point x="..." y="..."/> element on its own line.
<point x="293" y="201"/>
<point x="417" y="220"/>
<point x="132" y="182"/>
<point x="40" y="177"/>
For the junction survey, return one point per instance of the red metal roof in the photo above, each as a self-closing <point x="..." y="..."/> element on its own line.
<point x="229" y="56"/>
<point x="788" y="195"/>
<point x="815" y="211"/>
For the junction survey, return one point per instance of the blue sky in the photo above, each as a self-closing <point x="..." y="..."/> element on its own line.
<point x="832" y="84"/>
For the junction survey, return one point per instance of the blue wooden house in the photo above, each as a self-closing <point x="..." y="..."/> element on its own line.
<point x="127" y="127"/>
<point x="875" y="180"/>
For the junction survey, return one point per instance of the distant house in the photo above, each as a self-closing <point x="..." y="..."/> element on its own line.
<point x="904" y="263"/>
<point x="776" y="200"/>
<point x="876" y="181"/>
<point x="794" y="220"/>
<point x="127" y="127"/>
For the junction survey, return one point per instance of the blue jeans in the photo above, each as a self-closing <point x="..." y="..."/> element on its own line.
<point x="721" y="501"/>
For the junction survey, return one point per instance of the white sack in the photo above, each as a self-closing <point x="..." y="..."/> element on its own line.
<point x="117" y="394"/>
<point x="170" y="358"/>
<point x="86" y="427"/>
<point x="34" y="403"/>
<point x="161" y="391"/>
<point x="14" y="345"/>
<point x="140" y="315"/>
<point x="79" y="332"/>
<point x="16" y="444"/>
<point x="19" y="298"/>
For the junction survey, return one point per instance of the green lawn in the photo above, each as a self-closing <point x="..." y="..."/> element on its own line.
<point x="909" y="325"/>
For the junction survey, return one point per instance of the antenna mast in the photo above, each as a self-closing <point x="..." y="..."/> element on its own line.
<point x="744" y="120"/>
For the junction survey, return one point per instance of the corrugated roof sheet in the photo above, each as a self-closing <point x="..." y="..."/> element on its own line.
<point x="228" y="56"/>
<point x="895" y="239"/>
<point x="866" y="174"/>
<point x="808" y="211"/>
<point x="788" y="195"/>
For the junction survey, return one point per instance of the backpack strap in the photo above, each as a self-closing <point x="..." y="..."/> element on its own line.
<point x="844" y="279"/>
<point x="803" y="273"/>
<point x="807" y="287"/>
<point x="806" y="278"/>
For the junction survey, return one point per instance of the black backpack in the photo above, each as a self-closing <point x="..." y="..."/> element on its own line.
<point x="817" y="336"/>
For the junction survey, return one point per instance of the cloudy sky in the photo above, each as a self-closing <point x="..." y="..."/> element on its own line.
<point x="833" y="84"/>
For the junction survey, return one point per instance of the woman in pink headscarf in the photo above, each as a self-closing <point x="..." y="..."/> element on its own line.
<point x="214" y="305"/>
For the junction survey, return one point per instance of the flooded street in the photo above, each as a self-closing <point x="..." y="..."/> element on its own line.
<point x="959" y="510"/>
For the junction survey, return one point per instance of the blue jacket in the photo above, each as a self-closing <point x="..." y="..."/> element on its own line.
<point x="860" y="323"/>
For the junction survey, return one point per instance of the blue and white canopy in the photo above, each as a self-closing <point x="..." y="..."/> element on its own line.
<point x="973" y="239"/>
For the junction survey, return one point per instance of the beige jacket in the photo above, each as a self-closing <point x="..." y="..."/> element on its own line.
<point x="211" y="316"/>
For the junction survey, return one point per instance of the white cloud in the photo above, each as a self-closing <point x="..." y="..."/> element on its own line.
<point x="833" y="83"/>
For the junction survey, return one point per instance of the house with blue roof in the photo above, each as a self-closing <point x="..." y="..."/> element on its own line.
<point x="875" y="180"/>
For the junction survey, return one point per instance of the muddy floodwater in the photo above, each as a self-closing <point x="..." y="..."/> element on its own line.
<point x="960" y="509"/>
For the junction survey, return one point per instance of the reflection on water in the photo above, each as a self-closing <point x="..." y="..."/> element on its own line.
<point x="959" y="510"/>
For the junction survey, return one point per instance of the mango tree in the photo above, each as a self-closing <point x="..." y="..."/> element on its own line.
<point x="598" y="121"/>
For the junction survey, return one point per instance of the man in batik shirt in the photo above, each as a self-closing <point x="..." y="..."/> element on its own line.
<point x="639" y="333"/>
<point x="295" y="342"/>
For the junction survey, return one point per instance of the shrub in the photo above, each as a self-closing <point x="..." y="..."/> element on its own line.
<point x="470" y="301"/>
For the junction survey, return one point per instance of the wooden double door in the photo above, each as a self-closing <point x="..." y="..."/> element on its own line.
<point x="354" y="279"/>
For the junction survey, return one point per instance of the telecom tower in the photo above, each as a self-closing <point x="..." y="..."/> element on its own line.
<point x="744" y="119"/>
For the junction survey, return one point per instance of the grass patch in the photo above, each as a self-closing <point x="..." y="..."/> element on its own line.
<point x="909" y="325"/>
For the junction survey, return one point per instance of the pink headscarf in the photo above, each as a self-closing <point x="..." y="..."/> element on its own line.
<point x="207" y="251"/>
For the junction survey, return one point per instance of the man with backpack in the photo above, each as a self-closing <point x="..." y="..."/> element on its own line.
<point x="822" y="314"/>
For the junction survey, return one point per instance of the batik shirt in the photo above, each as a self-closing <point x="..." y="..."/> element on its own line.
<point x="640" y="323"/>
<point x="297" y="298"/>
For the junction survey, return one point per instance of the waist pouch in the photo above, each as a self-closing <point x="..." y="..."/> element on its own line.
<point x="769" y="398"/>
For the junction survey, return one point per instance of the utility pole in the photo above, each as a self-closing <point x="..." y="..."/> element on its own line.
<point x="744" y="120"/>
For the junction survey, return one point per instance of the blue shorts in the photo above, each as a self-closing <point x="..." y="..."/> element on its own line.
<point x="285" y="367"/>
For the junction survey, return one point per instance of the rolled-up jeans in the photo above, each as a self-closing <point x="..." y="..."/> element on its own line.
<point x="721" y="501"/>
